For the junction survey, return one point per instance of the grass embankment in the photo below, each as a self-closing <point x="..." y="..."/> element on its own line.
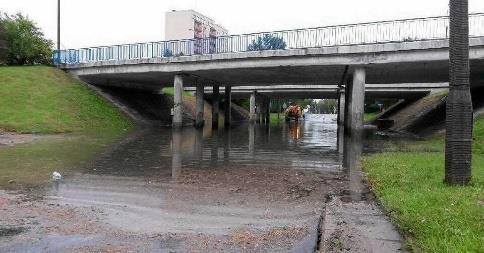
<point x="369" y="116"/>
<point x="45" y="100"/>
<point x="433" y="216"/>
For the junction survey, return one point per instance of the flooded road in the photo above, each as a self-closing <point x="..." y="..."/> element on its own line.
<point x="252" y="188"/>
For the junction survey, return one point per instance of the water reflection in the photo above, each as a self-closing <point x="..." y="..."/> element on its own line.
<point x="176" y="160"/>
<point x="186" y="179"/>
<point x="295" y="131"/>
<point x="161" y="152"/>
<point x="352" y="150"/>
<point x="251" y="139"/>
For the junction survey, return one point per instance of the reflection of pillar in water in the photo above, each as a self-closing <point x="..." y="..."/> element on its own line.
<point x="199" y="145"/>
<point x="227" y="146"/>
<point x="251" y="139"/>
<point x="176" y="158"/>
<point x="353" y="148"/>
<point x="214" y="149"/>
<point x="284" y="131"/>
<point x="267" y="131"/>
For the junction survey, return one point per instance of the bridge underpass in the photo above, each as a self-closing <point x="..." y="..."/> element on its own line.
<point x="398" y="91"/>
<point x="388" y="58"/>
<point x="261" y="96"/>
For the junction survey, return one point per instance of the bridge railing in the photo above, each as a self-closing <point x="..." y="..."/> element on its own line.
<point x="417" y="29"/>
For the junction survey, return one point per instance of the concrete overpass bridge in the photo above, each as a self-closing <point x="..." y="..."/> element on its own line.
<point x="347" y="57"/>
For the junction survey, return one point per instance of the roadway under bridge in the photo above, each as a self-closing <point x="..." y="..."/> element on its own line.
<point x="396" y="66"/>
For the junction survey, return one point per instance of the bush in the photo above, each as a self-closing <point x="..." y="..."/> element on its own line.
<point x="267" y="42"/>
<point x="3" y="46"/>
<point x="372" y="108"/>
<point x="25" y="41"/>
<point x="167" y="53"/>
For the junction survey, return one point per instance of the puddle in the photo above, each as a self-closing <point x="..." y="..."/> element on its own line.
<point x="249" y="188"/>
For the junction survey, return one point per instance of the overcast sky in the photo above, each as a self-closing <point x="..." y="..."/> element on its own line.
<point x="106" y="22"/>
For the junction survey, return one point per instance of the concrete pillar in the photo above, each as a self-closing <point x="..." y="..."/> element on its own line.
<point x="215" y="106"/>
<point x="228" y="105"/>
<point x="177" y="120"/>
<point x="199" y="108"/>
<point x="356" y="101"/>
<point x="341" y="107"/>
<point x="346" y="110"/>
<point x="252" y="114"/>
<point x="340" y="140"/>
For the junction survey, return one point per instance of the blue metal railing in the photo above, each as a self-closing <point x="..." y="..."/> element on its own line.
<point x="417" y="29"/>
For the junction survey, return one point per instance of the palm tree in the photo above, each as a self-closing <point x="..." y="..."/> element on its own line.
<point x="458" y="139"/>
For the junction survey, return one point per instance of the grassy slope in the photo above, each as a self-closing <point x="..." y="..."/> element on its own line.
<point x="369" y="116"/>
<point x="42" y="99"/>
<point x="433" y="216"/>
<point x="46" y="100"/>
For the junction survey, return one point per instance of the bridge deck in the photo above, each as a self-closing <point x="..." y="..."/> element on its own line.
<point x="404" y="62"/>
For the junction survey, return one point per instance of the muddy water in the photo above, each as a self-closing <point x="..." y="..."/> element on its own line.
<point x="249" y="188"/>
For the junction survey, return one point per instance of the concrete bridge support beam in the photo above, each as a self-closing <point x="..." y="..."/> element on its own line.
<point x="355" y="102"/>
<point x="228" y="105"/>
<point x="341" y="107"/>
<point x="199" y="121"/>
<point x="177" y="120"/>
<point x="252" y="112"/>
<point x="215" y="106"/>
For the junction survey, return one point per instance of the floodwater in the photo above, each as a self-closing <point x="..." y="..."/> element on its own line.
<point x="249" y="188"/>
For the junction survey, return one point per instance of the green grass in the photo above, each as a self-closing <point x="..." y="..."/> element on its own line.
<point x="170" y="91"/>
<point x="274" y="119"/>
<point x="433" y="216"/>
<point x="45" y="100"/>
<point x="369" y="116"/>
<point x="42" y="99"/>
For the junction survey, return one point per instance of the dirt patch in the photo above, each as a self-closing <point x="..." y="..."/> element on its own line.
<point x="221" y="210"/>
<point x="357" y="226"/>
<point x="252" y="239"/>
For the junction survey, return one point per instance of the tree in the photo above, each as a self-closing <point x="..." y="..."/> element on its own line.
<point x="3" y="45"/>
<point x="267" y="42"/>
<point x="25" y="41"/>
<point x="458" y="138"/>
<point x="167" y="53"/>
